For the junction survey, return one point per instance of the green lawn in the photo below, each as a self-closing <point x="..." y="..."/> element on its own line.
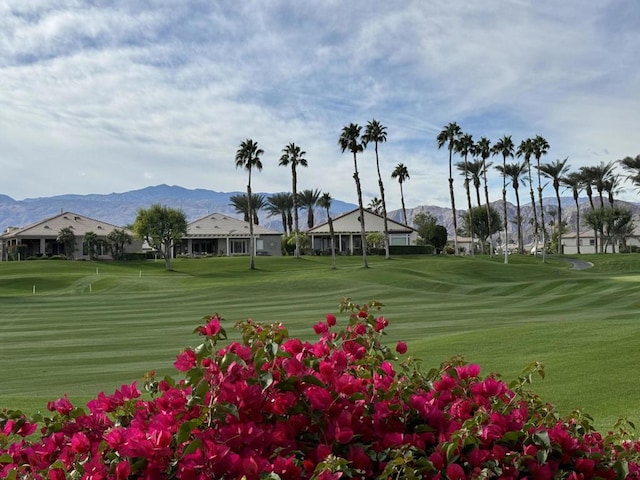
<point x="93" y="326"/>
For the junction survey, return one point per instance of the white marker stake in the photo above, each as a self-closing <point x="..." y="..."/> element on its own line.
<point x="90" y="288"/>
<point x="34" y="289"/>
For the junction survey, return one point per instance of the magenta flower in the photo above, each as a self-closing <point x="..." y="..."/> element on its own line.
<point x="401" y="348"/>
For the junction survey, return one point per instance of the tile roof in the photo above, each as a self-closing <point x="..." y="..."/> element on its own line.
<point x="50" y="227"/>
<point x="220" y="225"/>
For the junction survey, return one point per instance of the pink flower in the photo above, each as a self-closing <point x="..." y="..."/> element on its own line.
<point x="80" y="443"/>
<point x="401" y="348"/>
<point x="331" y="319"/>
<point x="185" y="361"/>
<point x="320" y="328"/>
<point x="212" y="328"/>
<point x="455" y="472"/>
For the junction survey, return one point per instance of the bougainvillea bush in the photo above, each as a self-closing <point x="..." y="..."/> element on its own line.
<point x="343" y="406"/>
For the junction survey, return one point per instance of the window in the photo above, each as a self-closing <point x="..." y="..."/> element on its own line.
<point x="239" y="247"/>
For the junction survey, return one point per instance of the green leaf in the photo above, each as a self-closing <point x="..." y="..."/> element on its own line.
<point x="541" y="439"/>
<point x="193" y="446"/>
<point x="185" y="430"/>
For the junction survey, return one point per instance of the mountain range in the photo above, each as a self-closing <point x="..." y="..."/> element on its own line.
<point x="121" y="208"/>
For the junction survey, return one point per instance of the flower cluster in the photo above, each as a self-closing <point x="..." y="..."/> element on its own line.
<point x="344" y="406"/>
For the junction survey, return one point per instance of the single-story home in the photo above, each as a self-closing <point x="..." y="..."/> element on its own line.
<point x="219" y="234"/>
<point x="40" y="238"/>
<point x="347" y="231"/>
<point x="588" y="242"/>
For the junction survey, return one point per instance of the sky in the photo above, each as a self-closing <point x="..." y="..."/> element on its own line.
<point x="102" y="96"/>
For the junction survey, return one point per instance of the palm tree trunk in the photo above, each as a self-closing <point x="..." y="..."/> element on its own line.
<point x="333" y="246"/>
<point x="504" y="210"/>
<point x="453" y="203"/>
<point x="519" y="221"/>
<point x="575" y="199"/>
<point x="294" y="187"/>
<point x="384" y="208"/>
<point x="466" y="186"/>
<point x="252" y="261"/>
<point x="544" y="235"/>
<point x="486" y="199"/>
<point x="363" y="234"/>
<point x="404" y="210"/>
<point x="536" y="232"/>
<point x="559" y="226"/>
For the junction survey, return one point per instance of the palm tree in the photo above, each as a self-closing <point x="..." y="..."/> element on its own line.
<point x="464" y="146"/>
<point x="587" y="177"/>
<point x="376" y="133"/>
<point x="632" y="165"/>
<point x="612" y="186"/>
<point x="474" y="175"/>
<point x="601" y="174"/>
<point x="241" y="205"/>
<point x="90" y="242"/>
<point x="281" y="204"/>
<point x="67" y="239"/>
<point x="292" y="155"/>
<point x="248" y="157"/>
<point x="573" y="180"/>
<point x="448" y="136"/>
<point x="504" y="147"/>
<point x="402" y="174"/>
<point x="325" y="202"/>
<point x="350" y="140"/>
<point x="555" y="171"/>
<point x="526" y="149"/>
<point x="482" y="149"/>
<point x="540" y="148"/>
<point x="514" y="172"/>
<point x="375" y="205"/>
<point x="308" y="199"/>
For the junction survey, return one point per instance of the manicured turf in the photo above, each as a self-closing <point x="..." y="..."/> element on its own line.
<point x="91" y="326"/>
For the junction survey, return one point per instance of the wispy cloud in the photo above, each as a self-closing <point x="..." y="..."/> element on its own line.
<point x="118" y="96"/>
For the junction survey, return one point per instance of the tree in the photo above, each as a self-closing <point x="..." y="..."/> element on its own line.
<point x="241" y="205"/>
<point x="482" y="225"/>
<point x="325" y="202"/>
<point x="375" y="205"/>
<point x="482" y="149"/>
<point x="504" y="147"/>
<point x="350" y="140"/>
<point x="464" y="146"/>
<point x="281" y="204"/>
<point x="90" y="241"/>
<point x="376" y="133"/>
<point x="573" y="180"/>
<point x="116" y="241"/>
<point x="600" y="174"/>
<point x="514" y="172"/>
<point x="160" y="226"/>
<point x="67" y="239"/>
<point x="632" y="165"/>
<point x="248" y="157"/>
<point x="448" y="136"/>
<point x="616" y="223"/>
<point x="526" y="149"/>
<point x="474" y="175"/>
<point x="402" y="174"/>
<point x="540" y="148"/>
<point x="308" y="199"/>
<point x="587" y="177"/>
<point x="429" y="231"/>
<point x="294" y="156"/>
<point x="555" y="171"/>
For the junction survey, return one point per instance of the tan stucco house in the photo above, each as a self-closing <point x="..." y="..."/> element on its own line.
<point x="39" y="238"/>
<point x="347" y="231"/>
<point x="219" y="234"/>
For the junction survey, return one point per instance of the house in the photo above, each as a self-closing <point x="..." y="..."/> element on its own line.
<point x="347" y="231"/>
<point x="588" y="242"/>
<point x="219" y="234"/>
<point x="40" y="239"/>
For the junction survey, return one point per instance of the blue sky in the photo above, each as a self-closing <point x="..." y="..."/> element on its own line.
<point x="100" y="97"/>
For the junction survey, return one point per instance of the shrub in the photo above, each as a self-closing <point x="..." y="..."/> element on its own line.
<point x="344" y="406"/>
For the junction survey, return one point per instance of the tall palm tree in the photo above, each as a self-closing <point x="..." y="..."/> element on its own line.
<point x="613" y="186"/>
<point x="515" y="171"/>
<point x="504" y="147"/>
<point x="526" y="150"/>
<point x="448" y="136"/>
<point x="540" y="148"/>
<point x="325" y="202"/>
<point x="482" y="149"/>
<point x="376" y="133"/>
<point x="402" y="174"/>
<point x="601" y="174"/>
<point x="555" y="171"/>
<point x="375" y="205"/>
<point x="464" y="146"/>
<point x="308" y="199"/>
<point x="248" y="157"/>
<point x="573" y="180"/>
<point x="281" y="204"/>
<point x="294" y="156"/>
<point x="350" y="140"/>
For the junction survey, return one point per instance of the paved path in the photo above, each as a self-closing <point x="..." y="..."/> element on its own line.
<point x="575" y="264"/>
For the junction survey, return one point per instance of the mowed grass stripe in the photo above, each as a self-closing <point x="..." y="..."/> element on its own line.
<point x="94" y="326"/>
